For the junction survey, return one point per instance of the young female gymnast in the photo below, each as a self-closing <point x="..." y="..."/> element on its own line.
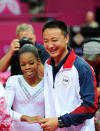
<point x="25" y="92"/>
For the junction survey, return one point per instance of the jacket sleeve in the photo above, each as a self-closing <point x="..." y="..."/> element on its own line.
<point x="88" y="94"/>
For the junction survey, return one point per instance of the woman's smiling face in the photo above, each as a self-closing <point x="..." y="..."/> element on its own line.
<point x="29" y="65"/>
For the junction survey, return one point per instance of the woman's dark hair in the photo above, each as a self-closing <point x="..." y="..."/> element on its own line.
<point x="56" y="24"/>
<point x="29" y="48"/>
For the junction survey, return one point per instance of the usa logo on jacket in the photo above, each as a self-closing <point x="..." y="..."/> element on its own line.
<point x="65" y="80"/>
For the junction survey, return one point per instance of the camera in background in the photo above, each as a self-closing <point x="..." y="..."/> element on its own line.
<point x="24" y="40"/>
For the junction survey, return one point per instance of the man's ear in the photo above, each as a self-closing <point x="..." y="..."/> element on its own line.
<point x="34" y="37"/>
<point x="40" y="68"/>
<point x="67" y="38"/>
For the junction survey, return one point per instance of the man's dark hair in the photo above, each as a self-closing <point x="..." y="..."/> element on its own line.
<point x="56" y="24"/>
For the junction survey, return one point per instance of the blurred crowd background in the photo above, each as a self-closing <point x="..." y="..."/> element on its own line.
<point x="82" y="18"/>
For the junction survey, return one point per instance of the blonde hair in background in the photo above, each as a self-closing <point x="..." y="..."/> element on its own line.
<point x="24" y="27"/>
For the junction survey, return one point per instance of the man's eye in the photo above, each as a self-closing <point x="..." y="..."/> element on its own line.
<point x="31" y="63"/>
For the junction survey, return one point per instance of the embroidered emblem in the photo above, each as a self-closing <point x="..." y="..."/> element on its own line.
<point x="65" y="80"/>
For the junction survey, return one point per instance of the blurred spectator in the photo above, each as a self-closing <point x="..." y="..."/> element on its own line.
<point x="90" y="28"/>
<point x="35" y="6"/>
<point x="91" y="53"/>
<point x="90" y="20"/>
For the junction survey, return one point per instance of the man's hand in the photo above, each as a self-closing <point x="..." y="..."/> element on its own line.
<point x="15" y="45"/>
<point x="5" y="60"/>
<point x="49" y="124"/>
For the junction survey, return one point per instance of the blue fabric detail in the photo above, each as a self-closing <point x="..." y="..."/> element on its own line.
<point x="75" y="119"/>
<point x="86" y="82"/>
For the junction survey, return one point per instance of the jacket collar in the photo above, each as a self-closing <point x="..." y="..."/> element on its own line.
<point x="69" y="61"/>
